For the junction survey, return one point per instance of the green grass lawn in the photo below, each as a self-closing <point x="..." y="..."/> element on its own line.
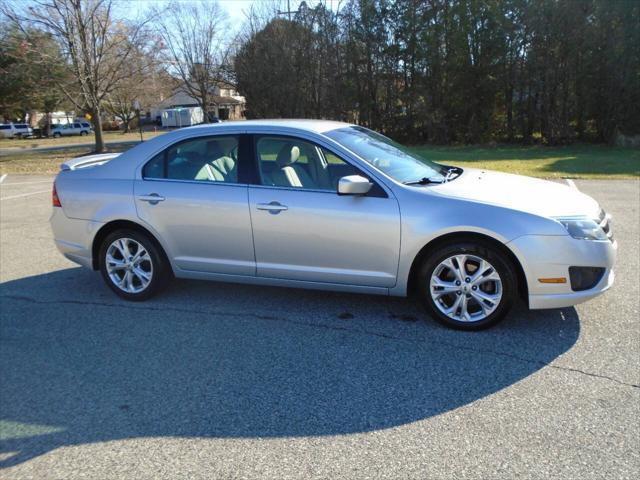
<point x="27" y="143"/>
<point x="579" y="161"/>
<point x="41" y="163"/>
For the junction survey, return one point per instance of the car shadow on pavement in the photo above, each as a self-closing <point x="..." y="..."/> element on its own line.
<point x="219" y="360"/>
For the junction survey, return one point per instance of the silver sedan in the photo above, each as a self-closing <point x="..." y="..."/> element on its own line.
<point x="331" y="206"/>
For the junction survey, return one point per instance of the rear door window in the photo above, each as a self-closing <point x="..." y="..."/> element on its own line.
<point x="209" y="159"/>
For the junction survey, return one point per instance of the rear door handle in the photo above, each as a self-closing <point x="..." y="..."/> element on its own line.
<point x="152" y="198"/>
<point x="272" y="207"/>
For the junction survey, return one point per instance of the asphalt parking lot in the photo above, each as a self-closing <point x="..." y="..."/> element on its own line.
<point x="226" y="381"/>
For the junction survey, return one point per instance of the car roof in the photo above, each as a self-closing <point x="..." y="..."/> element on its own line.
<point x="124" y="164"/>
<point x="317" y="126"/>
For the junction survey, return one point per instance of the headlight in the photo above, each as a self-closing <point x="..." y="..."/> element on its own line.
<point x="583" y="228"/>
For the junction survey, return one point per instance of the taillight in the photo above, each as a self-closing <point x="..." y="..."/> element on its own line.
<point x="55" y="198"/>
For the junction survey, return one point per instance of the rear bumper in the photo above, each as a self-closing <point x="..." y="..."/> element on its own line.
<point x="73" y="237"/>
<point x="551" y="256"/>
<point x="74" y="253"/>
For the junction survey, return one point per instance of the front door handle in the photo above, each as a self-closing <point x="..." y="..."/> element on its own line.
<point x="152" y="198"/>
<point x="272" y="207"/>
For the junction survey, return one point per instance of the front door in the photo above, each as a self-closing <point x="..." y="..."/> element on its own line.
<point x="191" y="196"/>
<point x="304" y="230"/>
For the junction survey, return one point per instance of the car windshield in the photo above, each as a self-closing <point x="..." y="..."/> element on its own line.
<point x="390" y="157"/>
<point x="5" y="127"/>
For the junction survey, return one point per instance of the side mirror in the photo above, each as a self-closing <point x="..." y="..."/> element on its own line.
<point x="354" y="185"/>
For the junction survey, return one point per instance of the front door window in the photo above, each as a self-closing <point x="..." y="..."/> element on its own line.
<point x="295" y="163"/>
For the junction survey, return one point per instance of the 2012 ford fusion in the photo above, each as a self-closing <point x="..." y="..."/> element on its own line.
<point x="332" y="206"/>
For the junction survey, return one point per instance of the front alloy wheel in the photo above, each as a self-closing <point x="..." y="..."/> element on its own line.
<point x="467" y="286"/>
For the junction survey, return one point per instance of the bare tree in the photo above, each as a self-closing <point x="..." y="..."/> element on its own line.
<point x="146" y="84"/>
<point x="95" y="45"/>
<point x="197" y="46"/>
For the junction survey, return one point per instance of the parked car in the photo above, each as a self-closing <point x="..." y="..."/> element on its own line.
<point x="328" y="205"/>
<point x="75" y="128"/>
<point x="16" y="130"/>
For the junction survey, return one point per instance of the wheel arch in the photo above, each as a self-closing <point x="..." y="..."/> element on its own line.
<point x="114" y="225"/>
<point x="425" y="251"/>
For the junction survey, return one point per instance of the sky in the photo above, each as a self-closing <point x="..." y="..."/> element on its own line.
<point x="235" y="8"/>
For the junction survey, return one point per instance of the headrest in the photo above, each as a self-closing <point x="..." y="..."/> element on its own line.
<point x="288" y="154"/>
<point x="214" y="150"/>
<point x="192" y="157"/>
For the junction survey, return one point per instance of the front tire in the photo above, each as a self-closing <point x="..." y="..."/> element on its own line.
<point x="467" y="285"/>
<point x="132" y="265"/>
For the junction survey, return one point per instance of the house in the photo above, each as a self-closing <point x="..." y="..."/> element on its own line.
<point x="39" y="119"/>
<point x="225" y="103"/>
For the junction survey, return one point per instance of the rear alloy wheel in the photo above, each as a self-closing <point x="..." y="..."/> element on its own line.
<point x="467" y="286"/>
<point x="132" y="266"/>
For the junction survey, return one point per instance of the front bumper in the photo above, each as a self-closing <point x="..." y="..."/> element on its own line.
<point x="561" y="300"/>
<point x="551" y="256"/>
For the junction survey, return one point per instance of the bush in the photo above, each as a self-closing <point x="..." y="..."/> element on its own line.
<point x="110" y="126"/>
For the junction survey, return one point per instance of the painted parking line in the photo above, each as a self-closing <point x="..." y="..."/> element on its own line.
<point x="26" y="183"/>
<point x="25" y="195"/>
<point x="3" y="177"/>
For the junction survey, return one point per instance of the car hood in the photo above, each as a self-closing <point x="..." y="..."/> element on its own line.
<point x="531" y="195"/>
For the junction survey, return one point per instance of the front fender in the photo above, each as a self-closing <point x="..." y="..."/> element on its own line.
<point x="435" y="217"/>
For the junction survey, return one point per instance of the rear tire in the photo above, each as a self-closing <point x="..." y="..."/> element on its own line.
<point x="132" y="265"/>
<point x="467" y="285"/>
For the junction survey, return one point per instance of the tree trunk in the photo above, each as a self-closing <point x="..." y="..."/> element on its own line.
<point x="97" y="125"/>
<point x="47" y="125"/>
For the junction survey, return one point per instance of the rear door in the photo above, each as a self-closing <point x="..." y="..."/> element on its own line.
<point x="304" y="230"/>
<point x="193" y="196"/>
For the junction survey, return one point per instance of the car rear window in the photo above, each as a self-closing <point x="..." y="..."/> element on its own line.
<point x="20" y="126"/>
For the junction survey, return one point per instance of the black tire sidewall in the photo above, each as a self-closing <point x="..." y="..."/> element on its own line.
<point x="160" y="268"/>
<point x="499" y="261"/>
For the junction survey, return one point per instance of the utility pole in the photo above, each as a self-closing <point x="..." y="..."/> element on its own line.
<point x="289" y="11"/>
<point x="136" y="107"/>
